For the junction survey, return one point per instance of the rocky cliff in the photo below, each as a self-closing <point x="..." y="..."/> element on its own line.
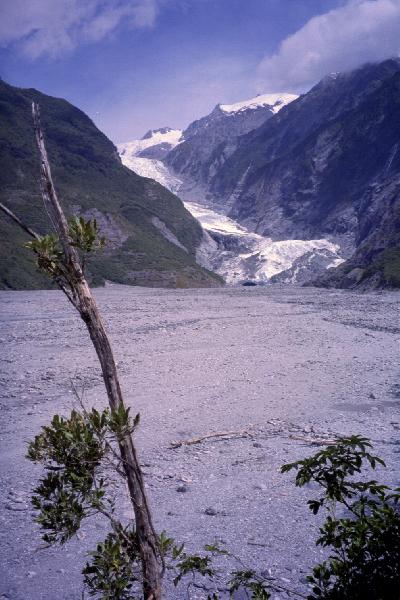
<point x="321" y="170"/>
<point x="208" y="142"/>
<point x="327" y="165"/>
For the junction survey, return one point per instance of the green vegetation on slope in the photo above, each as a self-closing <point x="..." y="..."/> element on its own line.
<point x="92" y="182"/>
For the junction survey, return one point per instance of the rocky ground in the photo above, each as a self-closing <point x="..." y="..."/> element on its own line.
<point x="278" y="366"/>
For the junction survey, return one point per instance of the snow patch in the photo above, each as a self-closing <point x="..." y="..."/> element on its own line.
<point x="274" y="101"/>
<point x="172" y="137"/>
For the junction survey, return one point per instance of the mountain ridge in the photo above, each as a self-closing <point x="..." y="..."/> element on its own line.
<point x="91" y="181"/>
<point x="325" y="166"/>
<point x="208" y="142"/>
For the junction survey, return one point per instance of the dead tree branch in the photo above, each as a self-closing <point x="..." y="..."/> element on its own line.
<point x="84" y="302"/>
<point x="19" y="222"/>
<point x="219" y="434"/>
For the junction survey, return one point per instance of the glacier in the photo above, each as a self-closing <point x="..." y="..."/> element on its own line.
<point x="227" y="247"/>
<point x="238" y="254"/>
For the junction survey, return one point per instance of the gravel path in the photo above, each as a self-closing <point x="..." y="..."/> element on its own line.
<point x="285" y="364"/>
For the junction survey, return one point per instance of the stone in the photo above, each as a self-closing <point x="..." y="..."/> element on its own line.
<point x="261" y="486"/>
<point x="210" y="511"/>
<point x="16" y="507"/>
<point x="182" y="488"/>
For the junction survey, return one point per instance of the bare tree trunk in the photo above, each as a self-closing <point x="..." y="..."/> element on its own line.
<point x="84" y="302"/>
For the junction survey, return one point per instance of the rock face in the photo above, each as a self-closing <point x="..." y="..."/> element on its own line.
<point x="321" y="168"/>
<point x="208" y="142"/>
<point x="327" y="165"/>
<point x="153" y="239"/>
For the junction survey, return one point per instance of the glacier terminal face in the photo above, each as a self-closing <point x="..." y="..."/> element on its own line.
<point x="239" y="255"/>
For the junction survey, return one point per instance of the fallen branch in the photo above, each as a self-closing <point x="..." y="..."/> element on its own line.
<point x="219" y="434"/>
<point x="314" y="441"/>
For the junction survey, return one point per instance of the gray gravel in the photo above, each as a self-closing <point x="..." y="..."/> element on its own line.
<point x="284" y="364"/>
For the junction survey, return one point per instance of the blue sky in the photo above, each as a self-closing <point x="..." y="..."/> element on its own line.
<point x="139" y="64"/>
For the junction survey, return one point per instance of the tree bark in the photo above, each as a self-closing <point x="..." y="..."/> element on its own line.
<point x="85" y="303"/>
<point x="20" y="223"/>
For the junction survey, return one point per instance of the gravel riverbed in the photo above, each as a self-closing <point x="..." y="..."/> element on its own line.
<point x="280" y="366"/>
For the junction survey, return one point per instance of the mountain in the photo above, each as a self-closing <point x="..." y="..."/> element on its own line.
<point x="326" y="166"/>
<point x="208" y="142"/>
<point x="321" y="170"/>
<point x="152" y="238"/>
<point x="376" y="263"/>
<point x="156" y="144"/>
<point x="228" y="248"/>
<point x="145" y="156"/>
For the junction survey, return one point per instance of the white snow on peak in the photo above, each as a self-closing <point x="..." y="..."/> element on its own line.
<point x="150" y="167"/>
<point x="172" y="137"/>
<point x="274" y="101"/>
<point x="165" y="135"/>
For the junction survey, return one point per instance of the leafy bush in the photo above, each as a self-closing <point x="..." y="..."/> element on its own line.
<point x="365" y="541"/>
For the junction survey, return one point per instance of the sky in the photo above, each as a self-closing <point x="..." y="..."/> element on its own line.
<point x="135" y="65"/>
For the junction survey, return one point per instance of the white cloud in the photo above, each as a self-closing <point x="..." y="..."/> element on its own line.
<point x="339" y="40"/>
<point x="53" y="27"/>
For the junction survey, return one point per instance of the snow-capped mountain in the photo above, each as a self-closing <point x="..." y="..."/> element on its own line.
<point x="157" y="142"/>
<point x="208" y="142"/>
<point x="228" y="248"/>
<point x="326" y="166"/>
<point x="144" y="156"/>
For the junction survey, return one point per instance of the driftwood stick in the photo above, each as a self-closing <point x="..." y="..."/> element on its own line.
<point x="86" y="305"/>
<point x="314" y="441"/>
<point x="218" y="434"/>
<point x="318" y="441"/>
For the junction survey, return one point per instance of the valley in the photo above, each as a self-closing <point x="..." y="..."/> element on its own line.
<point x="278" y="188"/>
<point x="199" y="300"/>
<point x="317" y="174"/>
<point x="228" y="248"/>
<point x="286" y="365"/>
